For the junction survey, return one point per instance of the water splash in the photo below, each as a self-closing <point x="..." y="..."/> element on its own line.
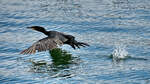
<point x="120" y="52"/>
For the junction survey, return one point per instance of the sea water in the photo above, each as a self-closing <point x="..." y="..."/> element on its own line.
<point x="100" y="23"/>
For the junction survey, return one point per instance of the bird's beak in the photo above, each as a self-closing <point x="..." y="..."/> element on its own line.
<point x="30" y="28"/>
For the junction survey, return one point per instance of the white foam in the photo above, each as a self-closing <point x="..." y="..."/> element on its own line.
<point x="120" y="52"/>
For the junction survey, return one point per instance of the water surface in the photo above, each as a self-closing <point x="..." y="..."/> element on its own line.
<point x="105" y="24"/>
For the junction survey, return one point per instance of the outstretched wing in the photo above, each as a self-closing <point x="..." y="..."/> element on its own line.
<point x="43" y="45"/>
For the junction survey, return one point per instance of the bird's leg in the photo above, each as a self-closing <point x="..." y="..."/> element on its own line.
<point x="73" y="46"/>
<point x="73" y="43"/>
<point x="83" y="44"/>
<point x="78" y="44"/>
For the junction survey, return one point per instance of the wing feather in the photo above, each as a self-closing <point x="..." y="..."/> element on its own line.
<point x="43" y="45"/>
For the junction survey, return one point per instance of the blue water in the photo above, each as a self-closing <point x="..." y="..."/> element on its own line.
<point x="104" y="24"/>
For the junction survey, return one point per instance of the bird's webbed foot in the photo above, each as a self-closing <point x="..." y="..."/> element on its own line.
<point x="79" y="44"/>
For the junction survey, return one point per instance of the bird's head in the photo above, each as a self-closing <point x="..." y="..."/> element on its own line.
<point x="37" y="28"/>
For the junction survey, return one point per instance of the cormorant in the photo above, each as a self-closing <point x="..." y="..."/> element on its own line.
<point x="52" y="41"/>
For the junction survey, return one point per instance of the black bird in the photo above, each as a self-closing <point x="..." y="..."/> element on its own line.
<point x="52" y="41"/>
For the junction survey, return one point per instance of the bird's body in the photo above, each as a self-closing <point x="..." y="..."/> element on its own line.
<point x="53" y="40"/>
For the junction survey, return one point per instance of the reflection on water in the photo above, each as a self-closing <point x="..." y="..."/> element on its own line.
<point x="61" y="57"/>
<point x="60" y="65"/>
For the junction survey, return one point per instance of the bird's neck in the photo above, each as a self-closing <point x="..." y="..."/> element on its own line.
<point x="45" y="32"/>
